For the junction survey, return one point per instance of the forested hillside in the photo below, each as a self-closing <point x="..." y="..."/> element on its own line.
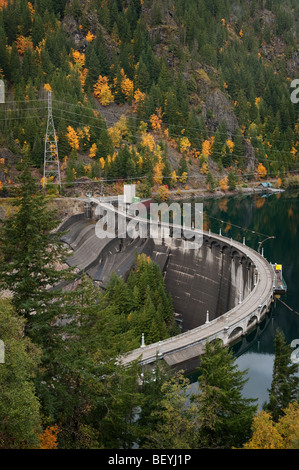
<point x="169" y="94"/>
<point x="165" y="92"/>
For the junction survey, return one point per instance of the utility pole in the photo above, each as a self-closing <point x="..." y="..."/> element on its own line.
<point x="51" y="160"/>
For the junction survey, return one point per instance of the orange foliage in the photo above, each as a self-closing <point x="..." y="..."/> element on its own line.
<point x="23" y="43"/>
<point x="158" y="171"/>
<point x="206" y="148"/>
<point x="90" y="37"/>
<point x="224" y="184"/>
<point x="78" y="58"/>
<point x="93" y="151"/>
<point x="139" y="99"/>
<point x="31" y="9"/>
<point x="261" y="170"/>
<point x="230" y="145"/>
<point x="156" y="120"/>
<point x="48" y="439"/>
<point x="47" y="87"/>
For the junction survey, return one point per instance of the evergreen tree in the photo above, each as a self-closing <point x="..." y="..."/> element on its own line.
<point x="225" y="416"/>
<point x="285" y="384"/>
<point x="173" y="422"/>
<point x="30" y="251"/>
<point x="20" y="414"/>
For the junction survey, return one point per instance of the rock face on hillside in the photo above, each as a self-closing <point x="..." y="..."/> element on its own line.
<point x="220" y="110"/>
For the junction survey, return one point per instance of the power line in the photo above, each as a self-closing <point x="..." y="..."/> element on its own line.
<point x="90" y="116"/>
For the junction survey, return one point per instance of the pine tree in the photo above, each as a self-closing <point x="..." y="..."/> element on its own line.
<point x="30" y="251"/>
<point x="225" y="416"/>
<point x="20" y="417"/>
<point x="285" y="384"/>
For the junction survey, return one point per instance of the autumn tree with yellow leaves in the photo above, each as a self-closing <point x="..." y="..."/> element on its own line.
<point x="261" y="171"/>
<point x="103" y="92"/>
<point x="268" y="434"/>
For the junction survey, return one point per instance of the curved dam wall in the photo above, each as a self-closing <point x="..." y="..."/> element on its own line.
<point x="214" y="277"/>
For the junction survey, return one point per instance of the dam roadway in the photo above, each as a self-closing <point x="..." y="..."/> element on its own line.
<point x="240" y="311"/>
<point x="228" y="327"/>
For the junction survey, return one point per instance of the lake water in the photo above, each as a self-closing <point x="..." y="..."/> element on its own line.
<point x="256" y="217"/>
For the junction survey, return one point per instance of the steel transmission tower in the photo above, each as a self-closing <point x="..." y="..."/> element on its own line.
<point x="51" y="160"/>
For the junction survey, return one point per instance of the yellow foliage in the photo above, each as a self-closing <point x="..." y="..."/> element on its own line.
<point x="43" y="182"/>
<point x="158" y="171"/>
<point x="268" y="434"/>
<point x="73" y="138"/>
<point x="23" y="43"/>
<point x="93" y="151"/>
<point x="118" y="131"/>
<point x="31" y="9"/>
<point x="102" y="91"/>
<point x="206" y="148"/>
<point x="82" y="77"/>
<point x="139" y="98"/>
<point x="163" y="192"/>
<point x="64" y="163"/>
<point x="174" y="178"/>
<point x="127" y="86"/>
<point x="47" y="87"/>
<point x="204" y="168"/>
<point x="223" y="183"/>
<point x="102" y="162"/>
<point x="183" y="178"/>
<point x="90" y="37"/>
<point x="147" y="140"/>
<point x="156" y="120"/>
<point x="230" y="145"/>
<point x="261" y="170"/>
<point x="184" y="144"/>
<point x="78" y="58"/>
<point x="115" y="135"/>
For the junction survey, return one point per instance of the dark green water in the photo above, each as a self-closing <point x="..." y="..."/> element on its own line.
<point x="274" y="215"/>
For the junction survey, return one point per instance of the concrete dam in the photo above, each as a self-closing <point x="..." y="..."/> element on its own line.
<point x="220" y="290"/>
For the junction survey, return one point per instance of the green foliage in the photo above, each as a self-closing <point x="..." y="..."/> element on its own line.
<point x="224" y="415"/>
<point x="30" y="253"/>
<point x="285" y="384"/>
<point x="20" y="419"/>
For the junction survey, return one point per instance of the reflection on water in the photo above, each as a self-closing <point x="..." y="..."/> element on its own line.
<point x="255" y="217"/>
<point x="260" y="377"/>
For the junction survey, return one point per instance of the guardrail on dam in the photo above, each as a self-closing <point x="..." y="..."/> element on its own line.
<point x="229" y="325"/>
<point x="223" y="277"/>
